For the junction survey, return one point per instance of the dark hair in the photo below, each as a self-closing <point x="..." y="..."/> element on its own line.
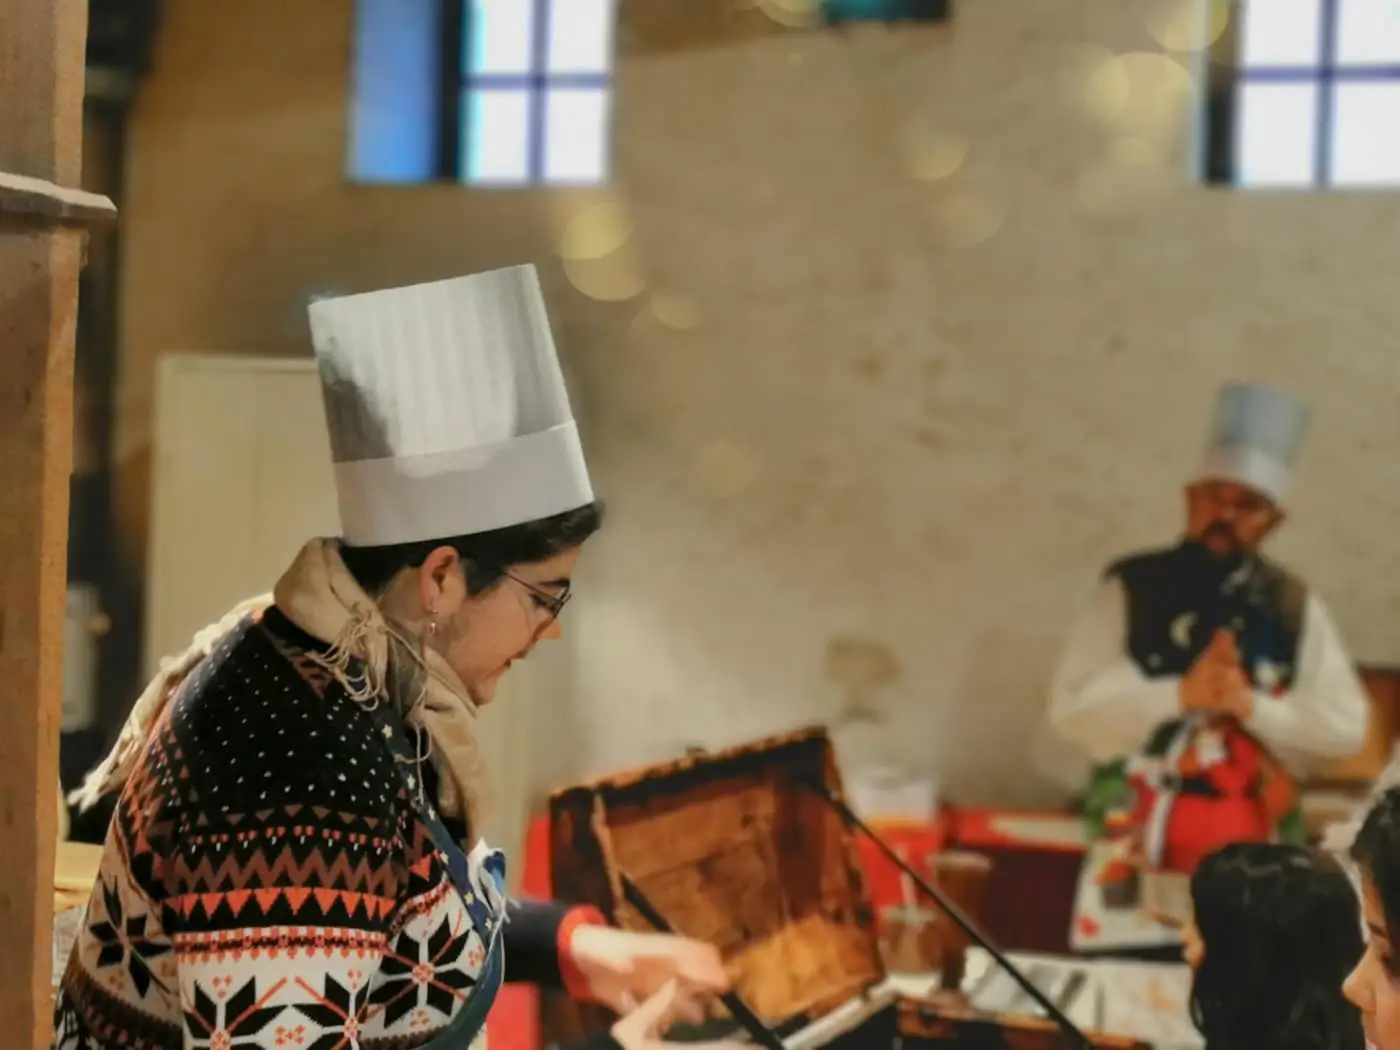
<point x="485" y="555"/>
<point x="1281" y="933"/>
<point x="1376" y="850"/>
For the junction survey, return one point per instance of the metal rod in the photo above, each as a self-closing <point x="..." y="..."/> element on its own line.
<point x="849" y="817"/>
<point x="746" y="1018"/>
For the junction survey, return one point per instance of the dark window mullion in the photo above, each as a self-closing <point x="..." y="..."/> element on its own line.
<point x="529" y="81"/>
<point x="1307" y="74"/>
<point x="538" y="98"/>
<point x="1326" y="94"/>
<point x="1223" y="78"/>
<point x="454" y="57"/>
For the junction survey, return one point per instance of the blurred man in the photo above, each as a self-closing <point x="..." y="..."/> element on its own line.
<point x="1199" y="681"/>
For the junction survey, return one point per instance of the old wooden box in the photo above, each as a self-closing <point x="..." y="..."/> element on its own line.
<point x="736" y="848"/>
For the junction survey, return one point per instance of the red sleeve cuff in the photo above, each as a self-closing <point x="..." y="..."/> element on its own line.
<point x="572" y="977"/>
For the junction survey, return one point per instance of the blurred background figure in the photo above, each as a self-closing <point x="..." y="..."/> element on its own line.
<point x="1201" y="680"/>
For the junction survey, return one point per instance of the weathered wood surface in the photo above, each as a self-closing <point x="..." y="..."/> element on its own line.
<point x="41" y="82"/>
<point x="34" y="203"/>
<point x="735" y="850"/>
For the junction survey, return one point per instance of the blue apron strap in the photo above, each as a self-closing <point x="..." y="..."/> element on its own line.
<point x="469" y="1021"/>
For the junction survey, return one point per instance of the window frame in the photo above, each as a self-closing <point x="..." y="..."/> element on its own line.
<point x="460" y="82"/>
<point x="1228" y="73"/>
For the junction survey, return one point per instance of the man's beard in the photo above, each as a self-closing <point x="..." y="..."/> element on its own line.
<point x="1219" y="561"/>
<point x="1230" y="546"/>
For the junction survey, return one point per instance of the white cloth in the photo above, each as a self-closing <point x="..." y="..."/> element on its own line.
<point x="447" y="409"/>
<point x="1103" y="705"/>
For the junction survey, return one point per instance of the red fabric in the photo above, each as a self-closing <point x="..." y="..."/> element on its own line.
<point x="534" y="880"/>
<point x="915" y="842"/>
<point x="1199" y="825"/>
<point x="575" y="983"/>
<point x="514" y="1020"/>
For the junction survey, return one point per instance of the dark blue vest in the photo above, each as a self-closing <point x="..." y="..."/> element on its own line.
<point x="1178" y="597"/>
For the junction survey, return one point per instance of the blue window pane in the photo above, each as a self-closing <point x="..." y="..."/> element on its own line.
<point x="394" y="96"/>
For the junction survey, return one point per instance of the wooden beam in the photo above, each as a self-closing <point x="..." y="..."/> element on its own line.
<point x="41" y="81"/>
<point x="27" y="202"/>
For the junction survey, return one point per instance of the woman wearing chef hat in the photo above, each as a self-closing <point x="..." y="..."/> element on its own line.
<point x="292" y="860"/>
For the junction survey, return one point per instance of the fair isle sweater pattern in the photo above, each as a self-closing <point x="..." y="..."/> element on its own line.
<point x="267" y="880"/>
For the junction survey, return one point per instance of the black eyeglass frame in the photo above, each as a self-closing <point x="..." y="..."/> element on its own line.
<point x="553" y="603"/>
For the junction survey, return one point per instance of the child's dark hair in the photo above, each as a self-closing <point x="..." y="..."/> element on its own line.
<point x="486" y="555"/>
<point x="1281" y="932"/>
<point x="1376" y="850"/>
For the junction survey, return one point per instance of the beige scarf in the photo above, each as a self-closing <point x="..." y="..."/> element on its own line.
<point x="319" y="595"/>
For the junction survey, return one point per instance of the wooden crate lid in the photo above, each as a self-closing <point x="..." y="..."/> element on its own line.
<point x="732" y="849"/>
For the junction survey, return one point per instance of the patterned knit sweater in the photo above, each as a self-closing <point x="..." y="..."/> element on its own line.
<point x="267" y="880"/>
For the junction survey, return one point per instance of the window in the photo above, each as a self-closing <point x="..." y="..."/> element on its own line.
<point x="1305" y="94"/>
<point x="536" y="91"/>
<point x="485" y="92"/>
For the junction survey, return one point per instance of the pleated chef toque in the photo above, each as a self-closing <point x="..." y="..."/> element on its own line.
<point x="1255" y="439"/>
<point x="447" y="409"/>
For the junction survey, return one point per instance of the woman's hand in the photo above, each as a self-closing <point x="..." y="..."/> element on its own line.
<point x="645" y="1027"/>
<point x="622" y="968"/>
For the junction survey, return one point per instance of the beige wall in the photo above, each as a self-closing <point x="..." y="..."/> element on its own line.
<point x="845" y="443"/>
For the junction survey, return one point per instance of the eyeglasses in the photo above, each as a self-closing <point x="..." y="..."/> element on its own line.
<point x="550" y="603"/>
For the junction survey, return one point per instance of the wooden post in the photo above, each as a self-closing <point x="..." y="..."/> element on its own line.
<point x="42" y="46"/>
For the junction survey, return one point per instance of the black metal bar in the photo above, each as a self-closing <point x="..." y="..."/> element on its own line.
<point x="454" y="60"/>
<point x="743" y="1014"/>
<point x="1070" y="1030"/>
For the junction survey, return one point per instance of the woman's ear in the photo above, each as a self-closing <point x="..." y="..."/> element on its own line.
<point x="441" y="583"/>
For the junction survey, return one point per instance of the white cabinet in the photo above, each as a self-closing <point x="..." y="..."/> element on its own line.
<point x="241" y="478"/>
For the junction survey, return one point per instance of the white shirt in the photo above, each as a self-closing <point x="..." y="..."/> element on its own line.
<point x="1103" y="705"/>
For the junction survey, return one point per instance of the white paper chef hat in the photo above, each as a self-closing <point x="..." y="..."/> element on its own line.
<point x="1255" y="438"/>
<point x="447" y="409"/>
